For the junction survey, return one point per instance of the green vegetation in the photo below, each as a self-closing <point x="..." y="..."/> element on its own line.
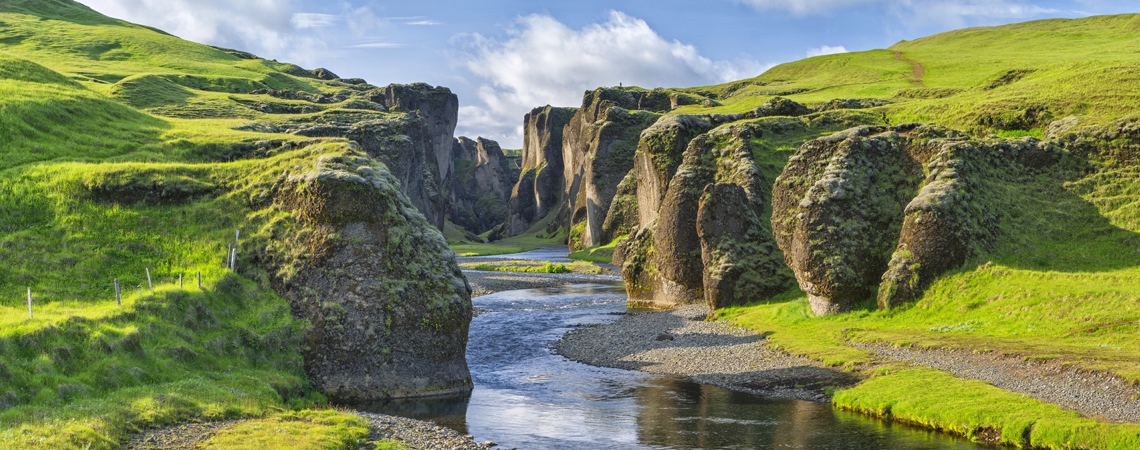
<point x="598" y="253"/>
<point x="533" y="267"/>
<point x="1059" y="283"/>
<point x="123" y="156"/>
<point x="315" y="430"/>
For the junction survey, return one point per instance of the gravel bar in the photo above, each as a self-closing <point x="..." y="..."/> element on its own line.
<point x="419" y="434"/>
<point x="179" y="437"/>
<point x="680" y="342"/>
<point x="1093" y="394"/>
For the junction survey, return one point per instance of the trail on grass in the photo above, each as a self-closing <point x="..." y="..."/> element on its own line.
<point x="917" y="71"/>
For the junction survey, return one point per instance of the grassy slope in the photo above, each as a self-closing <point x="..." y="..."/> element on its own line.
<point x="1062" y="282"/>
<point x="84" y="116"/>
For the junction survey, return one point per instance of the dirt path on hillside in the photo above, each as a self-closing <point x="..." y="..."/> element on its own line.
<point x="917" y="72"/>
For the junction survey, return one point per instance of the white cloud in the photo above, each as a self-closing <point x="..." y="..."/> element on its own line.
<point x="269" y="28"/>
<point x="542" y="61"/>
<point x="951" y="12"/>
<point x="826" y="50"/>
<point x="312" y="20"/>
<point x="423" y="22"/>
<point x="378" y="45"/>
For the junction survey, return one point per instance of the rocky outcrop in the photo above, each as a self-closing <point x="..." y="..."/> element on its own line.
<point x="481" y="185"/>
<point x="438" y="107"/>
<point x="892" y="208"/>
<point x="598" y="149"/>
<point x="709" y="241"/>
<point x="407" y="127"/>
<point x="387" y="305"/>
<point x="660" y="152"/>
<point x="539" y="187"/>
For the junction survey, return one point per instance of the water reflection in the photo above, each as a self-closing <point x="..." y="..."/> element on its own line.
<point x="527" y="397"/>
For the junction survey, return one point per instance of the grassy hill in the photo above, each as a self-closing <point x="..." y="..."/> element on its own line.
<point x="120" y="161"/>
<point x="1062" y="283"/>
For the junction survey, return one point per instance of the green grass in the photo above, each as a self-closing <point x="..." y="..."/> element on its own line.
<point x="302" y="430"/>
<point x="977" y="410"/>
<point x="544" y="268"/>
<point x="598" y="253"/>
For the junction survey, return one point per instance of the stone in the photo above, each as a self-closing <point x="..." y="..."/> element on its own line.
<point x="388" y="307"/>
<point x="481" y="184"/>
<point x="539" y="186"/>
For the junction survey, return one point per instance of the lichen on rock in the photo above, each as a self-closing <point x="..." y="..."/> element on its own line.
<point x="388" y="306"/>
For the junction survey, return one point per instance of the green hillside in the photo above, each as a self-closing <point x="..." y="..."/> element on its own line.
<point x="119" y="157"/>
<point x="1061" y="283"/>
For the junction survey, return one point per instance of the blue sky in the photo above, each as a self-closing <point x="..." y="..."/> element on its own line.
<point x="505" y="57"/>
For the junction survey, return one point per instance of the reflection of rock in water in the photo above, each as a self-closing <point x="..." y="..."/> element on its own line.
<point x="448" y="412"/>
<point x="678" y="413"/>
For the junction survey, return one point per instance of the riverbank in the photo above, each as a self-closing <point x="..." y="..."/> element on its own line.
<point x="680" y="342"/>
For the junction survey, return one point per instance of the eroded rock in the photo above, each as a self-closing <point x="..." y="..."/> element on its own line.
<point x="388" y="307"/>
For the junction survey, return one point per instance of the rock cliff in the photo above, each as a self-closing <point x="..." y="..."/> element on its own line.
<point x="598" y="146"/>
<point x="539" y="186"/>
<point x="708" y="241"/>
<point x="388" y="306"/>
<point x="408" y="127"/>
<point x="481" y="184"/>
<point x="892" y="208"/>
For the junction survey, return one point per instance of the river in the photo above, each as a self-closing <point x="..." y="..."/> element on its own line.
<point x="526" y="396"/>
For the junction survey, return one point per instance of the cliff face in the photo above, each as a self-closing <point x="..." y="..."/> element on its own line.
<point x="388" y="306"/>
<point x="708" y="241"/>
<point x="599" y="145"/>
<point x="893" y="208"/>
<point x="411" y="134"/>
<point x="481" y="184"/>
<point x="539" y="186"/>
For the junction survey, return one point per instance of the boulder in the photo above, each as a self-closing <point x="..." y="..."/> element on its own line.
<point x="388" y="307"/>
<point x="892" y="208"/>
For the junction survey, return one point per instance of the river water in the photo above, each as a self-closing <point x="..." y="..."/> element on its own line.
<point x="527" y="397"/>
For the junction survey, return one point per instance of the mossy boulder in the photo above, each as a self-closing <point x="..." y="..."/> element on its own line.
<point x="882" y="211"/>
<point x="388" y="307"/>
<point x="710" y="239"/>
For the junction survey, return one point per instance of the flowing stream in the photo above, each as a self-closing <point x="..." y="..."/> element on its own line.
<point x="527" y="397"/>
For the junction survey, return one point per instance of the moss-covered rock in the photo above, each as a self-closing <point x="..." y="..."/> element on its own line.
<point x="882" y="211"/>
<point x="598" y="151"/>
<point x="388" y="306"/>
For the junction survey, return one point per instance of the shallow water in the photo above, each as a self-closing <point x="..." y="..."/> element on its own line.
<point x="550" y="254"/>
<point x="528" y="397"/>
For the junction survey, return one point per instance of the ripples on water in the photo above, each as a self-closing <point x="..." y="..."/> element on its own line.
<point x="527" y="397"/>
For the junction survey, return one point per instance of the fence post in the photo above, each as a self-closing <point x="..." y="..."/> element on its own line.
<point x="199" y="279"/>
<point x="148" y="283"/>
<point x="118" y="294"/>
<point x="237" y="235"/>
<point x="29" y="303"/>
<point x="179" y="281"/>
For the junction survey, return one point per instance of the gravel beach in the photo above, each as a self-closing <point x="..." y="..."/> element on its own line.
<point x="681" y="342"/>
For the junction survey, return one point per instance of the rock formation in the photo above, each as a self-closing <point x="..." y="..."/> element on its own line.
<point x="539" y="186"/>
<point x="891" y="208"/>
<point x="708" y="240"/>
<point x="481" y="185"/>
<point x="410" y="130"/>
<point x="388" y="306"/>
<point x="598" y="148"/>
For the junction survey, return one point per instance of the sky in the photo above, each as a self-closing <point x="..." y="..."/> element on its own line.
<point x="506" y="57"/>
